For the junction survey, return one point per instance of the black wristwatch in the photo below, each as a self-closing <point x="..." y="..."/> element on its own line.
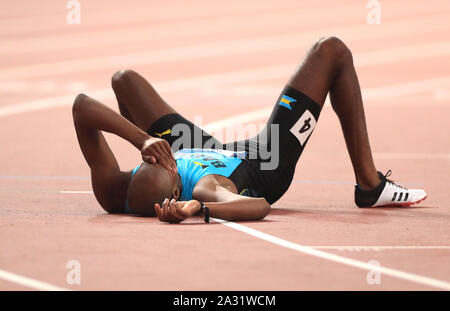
<point x="205" y="210"/>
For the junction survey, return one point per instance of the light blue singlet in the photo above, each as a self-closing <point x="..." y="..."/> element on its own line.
<point x="194" y="164"/>
<point x="127" y="208"/>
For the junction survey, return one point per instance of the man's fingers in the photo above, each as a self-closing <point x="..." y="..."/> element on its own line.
<point x="149" y="159"/>
<point x="169" y="150"/>
<point x="163" y="145"/>
<point x="173" y="167"/>
<point x="170" y="158"/>
<point x="160" y="152"/>
<point x="163" y="162"/>
<point x="158" y="149"/>
<point x="173" y="211"/>
<point x="158" y="211"/>
<point x="157" y="152"/>
<point x="172" y="208"/>
<point x="163" y="158"/>
<point x="165" y="208"/>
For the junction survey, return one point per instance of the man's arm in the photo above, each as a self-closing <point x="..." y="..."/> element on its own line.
<point x="108" y="182"/>
<point x="226" y="205"/>
<point x="239" y="208"/>
<point x="91" y="115"/>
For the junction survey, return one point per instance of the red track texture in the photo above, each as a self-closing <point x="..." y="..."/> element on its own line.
<point x="222" y="60"/>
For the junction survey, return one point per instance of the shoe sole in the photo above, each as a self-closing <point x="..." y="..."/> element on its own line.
<point x="398" y="204"/>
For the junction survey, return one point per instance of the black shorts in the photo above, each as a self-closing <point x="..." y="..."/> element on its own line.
<point x="271" y="156"/>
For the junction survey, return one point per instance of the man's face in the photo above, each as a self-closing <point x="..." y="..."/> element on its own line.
<point x="164" y="181"/>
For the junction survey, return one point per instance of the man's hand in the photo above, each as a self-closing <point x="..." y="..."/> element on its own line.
<point x="176" y="212"/>
<point x="156" y="150"/>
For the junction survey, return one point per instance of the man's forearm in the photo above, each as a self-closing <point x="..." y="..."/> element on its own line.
<point x="93" y="115"/>
<point x="241" y="209"/>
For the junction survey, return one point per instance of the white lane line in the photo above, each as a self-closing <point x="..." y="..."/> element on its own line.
<point x="198" y="27"/>
<point x="404" y="53"/>
<point x="224" y="48"/>
<point x="76" y="192"/>
<point x="243" y="118"/>
<point x="344" y="182"/>
<point x="43" y="86"/>
<point x="240" y="76"/>
<point x="441" y="94"/>
<point x="258" y="74"/>
<point x="315" y="251"/>
<point x="28" y="282"/>
<point x="378" y="248"/>
<point x="28" y="177"/>
<point x="412" y="156"/>
<point x="120" y="16"/>
<point x="423" y="24"/>
<point x="415" y="278"/>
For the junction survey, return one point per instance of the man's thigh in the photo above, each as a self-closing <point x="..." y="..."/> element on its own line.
<point x="318" y="69"/>
<point x="141" y="101"/>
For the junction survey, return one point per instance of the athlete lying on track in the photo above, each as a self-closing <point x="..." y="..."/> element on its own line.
<point x="225" y="184"/>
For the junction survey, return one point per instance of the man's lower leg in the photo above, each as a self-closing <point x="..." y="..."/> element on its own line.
<point x="346" y="100"/>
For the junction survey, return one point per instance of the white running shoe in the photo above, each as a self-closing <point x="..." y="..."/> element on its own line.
<point x="388" y="194"/>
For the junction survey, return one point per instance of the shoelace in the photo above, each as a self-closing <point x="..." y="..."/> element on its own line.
<point x="389" y="173"/>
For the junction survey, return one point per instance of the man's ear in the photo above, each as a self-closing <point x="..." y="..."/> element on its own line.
<point x="176" y="193"/>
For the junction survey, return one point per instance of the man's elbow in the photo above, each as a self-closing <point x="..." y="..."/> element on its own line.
<point x="263" y="210"/>
<point x="266" y="208"/>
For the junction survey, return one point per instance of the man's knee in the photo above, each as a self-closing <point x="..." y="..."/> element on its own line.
<point x="332" y="48"/>
<point x="123" y="78"/>
<point x="79" y="106"/>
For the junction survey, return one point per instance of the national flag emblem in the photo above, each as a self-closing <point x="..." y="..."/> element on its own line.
<point x="286" y="101"/>
<point x="203" y="166"/>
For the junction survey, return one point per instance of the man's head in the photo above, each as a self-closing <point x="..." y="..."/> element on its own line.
<point x="151" y="184"/>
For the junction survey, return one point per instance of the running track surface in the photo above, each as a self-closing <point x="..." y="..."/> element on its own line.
<point x="216" y="61"/>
